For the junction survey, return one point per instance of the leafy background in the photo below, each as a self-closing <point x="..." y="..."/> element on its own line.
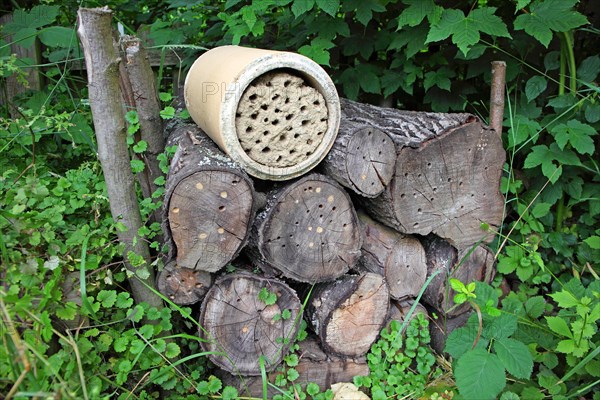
<point x="411" y="54"/>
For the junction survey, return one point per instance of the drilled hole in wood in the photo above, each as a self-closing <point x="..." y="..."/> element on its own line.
<point x="333" y="208"/>
<point x="252" y="97"/>
<point x="237" y="115"/>
<point x="303" y="108"/>
<point x="416" y="225"/>
<point x="406" y="174"/>
<point x="266" y="149"/>
<point x="264" y="107"/>
<point x="257" y="141"/>
<point x="266" y="120"/>
<point x="249" y="129"/>
<point x="296" y="135"/>
<point x="254" y="116"/>
<point x="402" y="195"/>
<point x="292" y="151"/>
<point x="460" y="183"/>
<point x="275" y="97"/>
<point x="316" y="102"/>
<point x="281" y="137"/>
<point x="287" y="83"/>
<point x="275" y="122"/>
<point x="305" y="122"/>
<point x="222" y="208"/>
<point x="289" y="116"/>
<point x="449" y="179"/>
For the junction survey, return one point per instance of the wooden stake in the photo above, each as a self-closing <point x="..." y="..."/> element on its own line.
<point x="497" y="96"/>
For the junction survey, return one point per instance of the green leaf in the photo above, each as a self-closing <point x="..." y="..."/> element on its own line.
<point x="24" y="23"/>
<point x="140" y="146"/>
<point x="249" y="17"/>
<point x="566" y="346"/>
<point x="58" y="36"/>
<point x="231" y="3"/>
<point x="229" y="393"/>
<point x="124" y="300"/>
<point x="508" y="263"/>
<point x="535" y="306"/>
<point x="137" y="166"/>
<point x="593" y="242"/>
<point x="592" y="113"/>
<point x="559" y="325"/>
<point x="302" y="6"/>
<point x="167" y="113"/>
<point x="509" y="396"/>
<point x="439" y="78"/>
<point x="577" y="134"/>
<point x="479" y="375"/>
<point x="363" y="9"/>
<point x="515" y="357"/>
<point x="173" y="350"/>
<point x="312" y="389"/>
<point x="465" y="30"/>
<point x="369" y="81"/>
<point x="549" y="15"/>
<point x="535" y="86"/>
<point x="267" y="297"/>
<point x="564" y="299"/>
<point x="544" y="156"/>
<point x="318" y="50"/>
<point x="540" y="210"/>
<point x="214" y="384"/>
<point x="132" y="117"/>
<point x="416" y="12"/>
<point x="107" y="298"/>
<point x="120" y="343"/>
<point x="329" y="6"/>
<point x="588" y="69"/>
<point x="292" y="374"/>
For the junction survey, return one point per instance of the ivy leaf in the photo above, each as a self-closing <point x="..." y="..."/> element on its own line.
<point x="302" y="6"/>
<point x="515" y="357"/>
<point x="559" y="325"/>
<point x="479" y="375"/>
<point x="546" y="16"/>
<point x="318" y="50"/>
<point x="535" y="86"/>
<point x="465" y="30"/>
<point x="329" y="6"/>
<point x="416" y="12"/>
<point x="577" y="134"/>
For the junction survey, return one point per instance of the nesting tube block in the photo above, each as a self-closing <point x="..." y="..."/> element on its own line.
<point x="275" y="113"/>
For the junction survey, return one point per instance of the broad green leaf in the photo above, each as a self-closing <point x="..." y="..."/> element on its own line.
<point x="58" y="36"/>
<point x="593" y="242"/>
<point x="479" y="375"/>
<point x="535" y="306"/>
<point x="544" y="156"/>
<point x="132" y="117"/>
<point x="509" y="396"/>
<point x="140" y="146"/>
<point x="500" y="327"/>
<point x="107" y="298"/>
<point x="566" y="346"/>
<point x="508" y="263"/>
<point x="522" y="4"/>
<point x="302" y="6"/>
<point x="540" y="210"/>
<point x="173" y="350"/>
<point x="592" y="113"/>
<point x="559" y="325"/>
<point x="515" y="357"/>
<point x="167" y="112"/>
<point x="25" y="23"/>
<point x="564" y="299"/>
<point x="535" y="86"/>
<point x="137" y="166"/>
<point x="229" y="393"/>
<point x="439" y="78"/>
<point x="231" y="3"/>
<point x="465" y="30"/>
<point x="369" y="81"/>
<point x="329" y="6"/>
<point x="577" y="134"/>
<point x="120" y="343"/>
<point x="249" y="17"/>
<point x="588" y="69"/>
<point x="363" y="9"/>
<point x="318" y="50"/>
<point x="417" y="11"/>
<point x="549" y="15"/>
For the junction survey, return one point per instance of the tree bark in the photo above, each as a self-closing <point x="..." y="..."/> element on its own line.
<point x="399" y="311"/>
<point x="308" y="231"/>
<point x="94" y="30"/>
<point x="147" y="105"/>
<point x="399" y="258"/>
<point x="209" y="203"/>
<point x="362" y="158"/>
<point x="447" y="177"/>
<point x="458" y="264"/>
<point x="238" y="327"/>
<point x="348" y="314"/>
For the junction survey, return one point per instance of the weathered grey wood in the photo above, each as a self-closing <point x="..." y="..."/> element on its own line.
<point x="183" y="285"/>
<point x="313" y="366"/>
<point x="399" y="311"/>
<point x="399" y="258"/>
<point x="208" y="207"/>
<point x="95" y="32"/>
<point x="240" y="328"/>
<point x="447" y="176"/>
<point x="348" y="314"/>
<point x="147" y="105"/>
<point x="476" y="266"/>
<point x="308" y="231"/>
<point x="362" y="159"/>
<point x="497" y="96"/>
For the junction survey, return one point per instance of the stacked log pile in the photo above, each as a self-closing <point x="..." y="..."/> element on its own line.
<point x="400" y="196"/>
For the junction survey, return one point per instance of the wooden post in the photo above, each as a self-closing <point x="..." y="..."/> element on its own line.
<point x="102" y="64"/>
<point x="497" y="96"/>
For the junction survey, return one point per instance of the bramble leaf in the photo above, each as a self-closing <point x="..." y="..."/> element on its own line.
<point x="546" y="16"/>
<point x="515" y="357"/>
<point x="564" y="299"/>
<point x="577" y="134"/>
<point x="479" y="375"/>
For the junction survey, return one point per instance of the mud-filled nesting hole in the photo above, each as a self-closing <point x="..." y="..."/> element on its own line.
<point x="281" y="119"/>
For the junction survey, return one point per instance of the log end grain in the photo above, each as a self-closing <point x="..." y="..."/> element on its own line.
<point x="183" y="285"/>
<point x="240" y="328"/>
<point x="311" y="233"/>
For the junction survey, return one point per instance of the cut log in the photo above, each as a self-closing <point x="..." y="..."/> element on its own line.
<point x="362" y="159"/>
<point x="447" y="176"/>
<point x="313" y="366"/>
<point x="239" y="327"/>
<point x="399" y="311"/>
<point x="183" y="285"/>
<point x="308" y="231"/>
<point x="399" y="258"/>
<point x="441" y="255"/>
<point x="348" y="314"/>
<point x="209" y="206"/>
